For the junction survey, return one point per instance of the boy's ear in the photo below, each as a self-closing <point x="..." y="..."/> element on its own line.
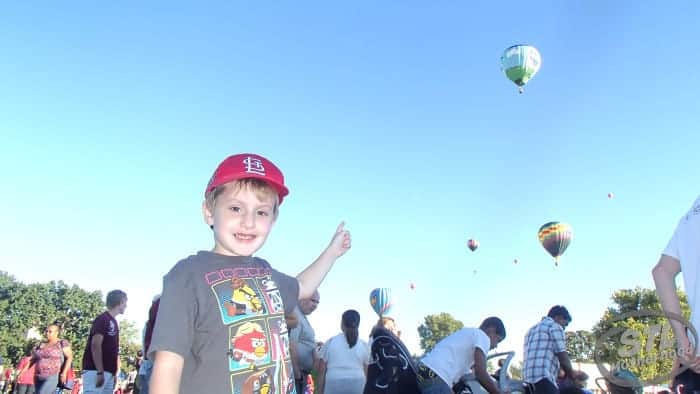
<point x="207" y="214"/>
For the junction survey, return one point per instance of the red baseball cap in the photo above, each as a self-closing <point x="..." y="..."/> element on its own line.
<point x="248" y="165"/>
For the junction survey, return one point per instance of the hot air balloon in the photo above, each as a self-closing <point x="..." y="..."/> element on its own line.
<point x="555" y="237"/>
<point x="412" y="286"/>
<point x="515" y="261"/>
<point x="521" y="63"/>
<point x="610" y="195"/>
<point x="472" y="244"/>
<point x="381" y="301"/>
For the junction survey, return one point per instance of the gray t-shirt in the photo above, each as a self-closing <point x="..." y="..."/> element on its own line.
<point x="225" y="316"/>
<point x="304" y="337"/>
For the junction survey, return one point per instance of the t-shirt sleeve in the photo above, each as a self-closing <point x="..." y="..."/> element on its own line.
<point x="482" y="342"/>
<point x="289" y="290"/>
<point x="557" y="335"/>
<point x="325" y="350"/>
<point x="673" y="246"/>
<point x="101" y="325"/>
<point x="174" y="328"/>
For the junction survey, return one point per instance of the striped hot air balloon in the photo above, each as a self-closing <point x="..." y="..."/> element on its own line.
<point x="555" y="237"/>
<point x="472" y="244"/>
<point x="381" y="301"/>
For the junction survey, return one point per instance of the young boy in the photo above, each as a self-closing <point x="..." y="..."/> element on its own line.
<point x="221" y="321"/>
<point x="456" y="354"/>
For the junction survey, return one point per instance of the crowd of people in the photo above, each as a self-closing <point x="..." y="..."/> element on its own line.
<point x="228" y="322"/>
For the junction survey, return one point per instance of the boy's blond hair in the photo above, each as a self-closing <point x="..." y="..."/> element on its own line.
<point x="262" y="191"/>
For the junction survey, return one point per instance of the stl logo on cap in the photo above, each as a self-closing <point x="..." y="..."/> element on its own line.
<point x="248" y="165"/>
<point x="254" y="166"/>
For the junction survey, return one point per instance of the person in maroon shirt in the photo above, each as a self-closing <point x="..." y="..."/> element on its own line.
<point x="101" y="357"/>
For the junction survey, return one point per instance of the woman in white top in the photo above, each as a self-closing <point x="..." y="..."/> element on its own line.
<point x="344" y="359"/>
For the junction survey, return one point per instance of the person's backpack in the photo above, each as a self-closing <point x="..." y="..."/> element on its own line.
<point x="70" y="376"/>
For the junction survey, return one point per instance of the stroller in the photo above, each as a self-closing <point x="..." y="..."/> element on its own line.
<point x="468" y="384"/>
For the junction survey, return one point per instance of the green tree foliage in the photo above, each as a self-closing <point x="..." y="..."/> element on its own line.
<point x="580" y="345"/>
<point x="36" y="305"/>
<point x="129" y="344"/>
<point x="639" y="345"/>
<point x="436" y="327"/>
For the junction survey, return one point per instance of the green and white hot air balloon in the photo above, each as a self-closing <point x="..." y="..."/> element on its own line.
<point x="521" y="63"/>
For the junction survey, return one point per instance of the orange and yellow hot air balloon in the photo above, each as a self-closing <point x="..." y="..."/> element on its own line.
<point x="555" y="237"/>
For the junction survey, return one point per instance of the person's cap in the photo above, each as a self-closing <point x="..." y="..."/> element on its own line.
<point x="248" y="165"/>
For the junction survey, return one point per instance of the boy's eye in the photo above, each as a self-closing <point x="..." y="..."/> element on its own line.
<point x="263" y="213"/>
<point x="235" y="209"/>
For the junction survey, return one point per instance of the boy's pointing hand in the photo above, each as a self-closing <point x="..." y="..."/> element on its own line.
<point x="341" y="241"/>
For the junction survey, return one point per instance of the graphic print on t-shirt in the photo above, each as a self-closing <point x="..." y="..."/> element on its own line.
<point x="251" y="307"/>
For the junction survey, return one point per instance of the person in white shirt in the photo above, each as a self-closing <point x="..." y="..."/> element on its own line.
<point x="344" y="359"/>
<point x="456" y="354"/>
<point x="682" y="254"/>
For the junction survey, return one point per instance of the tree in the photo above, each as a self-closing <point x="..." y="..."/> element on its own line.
<point x="436" y="327"/>
<point x="129" y="344"/>
<point x="639" y="342"/>
<point x="35" y="306"/>
<point x="580" y="345"/>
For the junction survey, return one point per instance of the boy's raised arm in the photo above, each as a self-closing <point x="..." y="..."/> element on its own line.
<point x="313" y="275"/>
<point x="167" y="371"/>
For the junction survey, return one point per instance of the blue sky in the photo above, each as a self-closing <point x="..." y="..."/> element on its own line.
<point x="394" y="117"/>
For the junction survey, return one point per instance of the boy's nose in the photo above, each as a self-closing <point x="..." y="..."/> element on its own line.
<point x="248" y="220"/>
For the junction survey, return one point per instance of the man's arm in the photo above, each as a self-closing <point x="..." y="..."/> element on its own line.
<point x="482" y="375"/>
<point x="295" y="359"/>
<point x="565" y="364"/>
<point x="167" y="372"/>
<point x="320" y="385"/>
<point x="96" y="349"/>
<point x="664" y="274"/>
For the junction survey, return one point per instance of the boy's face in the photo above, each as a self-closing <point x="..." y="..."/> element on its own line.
<point x="493" y="337"/>
<point x="241" y="221"/>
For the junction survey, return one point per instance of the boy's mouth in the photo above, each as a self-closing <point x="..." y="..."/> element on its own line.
<point x="244" y="237"/>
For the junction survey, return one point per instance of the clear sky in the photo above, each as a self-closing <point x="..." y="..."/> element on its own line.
<point x="393" y="116"/>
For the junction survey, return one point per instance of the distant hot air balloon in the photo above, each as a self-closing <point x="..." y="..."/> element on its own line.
<point x="610" y="195"/>
<point x="515" y="261"/>
<point x="381" y="301"/>
<point x="412" y="286"/>
<point x="472" y="244"/>
<point x="555" y="237"/>
<point x="521" y="63"/>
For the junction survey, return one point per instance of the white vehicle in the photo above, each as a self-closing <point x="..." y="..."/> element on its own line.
<point x="469" y="384"/>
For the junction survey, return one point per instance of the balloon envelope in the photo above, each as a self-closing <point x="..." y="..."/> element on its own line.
<point x="381" y="301"/>
<point x="555" y="237"/>
<point x="472" y="244"/>
<point x="520" y="63"/>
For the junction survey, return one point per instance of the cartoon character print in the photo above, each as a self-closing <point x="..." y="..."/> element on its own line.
<point x="273" y="298"/>
<point x="244" y="300"/>
<point x="258" y="383"/>
<point x="249" y="347"/>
